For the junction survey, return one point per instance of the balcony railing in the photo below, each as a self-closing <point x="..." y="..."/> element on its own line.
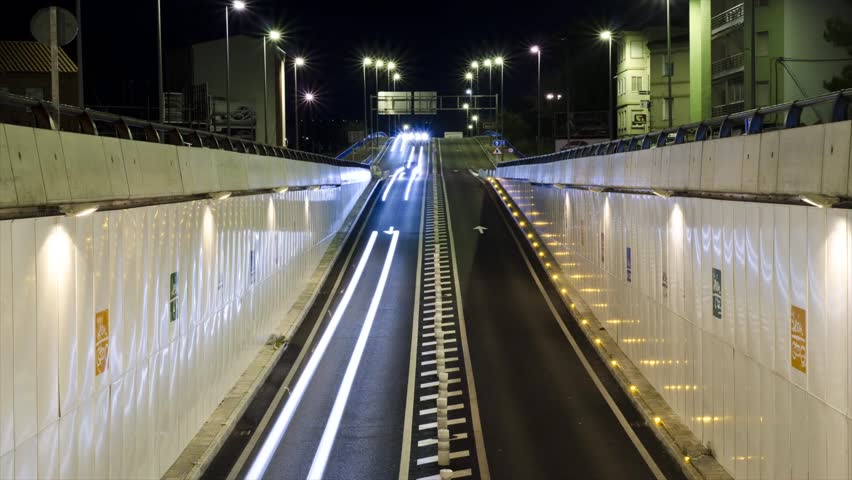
<point x="728" y="108"/>
<point x="727" y="66"/>
<point x="727" y="19"/>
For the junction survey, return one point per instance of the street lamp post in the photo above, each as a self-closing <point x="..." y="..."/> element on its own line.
<point x="272" y="36"/>
<point x="366" y="62"/>
<point x="466" y="108"/>
<point x="499" y="62"/>
<point x="537" y="51"/>
<point x="379" y="64"/>
<point x="391" y="68"/>
<point x="607" y="35"/>
<point x="469" y="77"/>
<point x="669" y="64"/>
<point x="297" y="62"/>
<point x="161" y="98"/>
<point x="475" y="66"/>
<point x="396" y="76"/>
<point x="237" y="5"/>
<point x="475" y="119"/>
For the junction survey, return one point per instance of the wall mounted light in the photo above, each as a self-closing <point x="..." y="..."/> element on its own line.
<point x="819" y="201"/>
<point x="220" y="195"/>
<point x="80" y="209"/>
<point x="662" y="193"/>
<point x="597" y="189"/>
<point x="281" y="189"/>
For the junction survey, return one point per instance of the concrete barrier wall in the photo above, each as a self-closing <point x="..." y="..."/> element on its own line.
<point x="647" y="266"/>
<point x="804" y="160"/>
<point x="108" y="367"/>
<point x="39" y="167"/>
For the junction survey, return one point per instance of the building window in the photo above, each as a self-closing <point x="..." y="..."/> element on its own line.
<point x="636" y="50"/>
<point x="635" y="83"/>
<point x="761" y="44"/>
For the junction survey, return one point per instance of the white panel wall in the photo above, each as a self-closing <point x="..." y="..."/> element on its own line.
<point x="40" y="167"/>
<point x="60" y="420"/>
<point x="729" y="378"/>
<point x="813" y="159"/>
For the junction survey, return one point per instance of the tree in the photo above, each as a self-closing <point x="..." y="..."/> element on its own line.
<point x="838" y="32"/>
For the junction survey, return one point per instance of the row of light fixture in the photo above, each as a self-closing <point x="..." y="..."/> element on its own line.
<point x="530" y="235"/>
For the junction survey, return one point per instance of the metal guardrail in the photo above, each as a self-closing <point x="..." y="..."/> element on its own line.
<point x="732" y="15"/>
<point x="93" y="122"/>
<point x="726" y="65"/>
<point x="728" y="108"/>
<point x="749" y="122"/>
<point x="363" y="142"/>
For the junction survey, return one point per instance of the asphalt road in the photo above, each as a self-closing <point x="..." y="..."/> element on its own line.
<point x="372" y="415"/>
<point x="542" y="415"/>
<point x="537" y="412"/>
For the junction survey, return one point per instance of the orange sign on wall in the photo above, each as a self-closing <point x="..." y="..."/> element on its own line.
<point x="799" y="339"/>
<point x="101" y="341"/>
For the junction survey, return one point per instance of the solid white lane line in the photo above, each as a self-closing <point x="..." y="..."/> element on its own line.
<point x="330" y="432"/>
<point x="434" y="441"/>
<point x="433" y="459"/>
<point x="435" y="372"/>
<point x="452" y="421"/>
<point x="446" y="350"/>
<point x="435" y="384"/>
<point x="434" y="396"/>
<point x="433" y="362"/>
<point x="479" y="440"/>
<point x="407" y="425"/>
<point x="428" y="411"/>
<point x="260" y="463"/>
<point x="390" y="184"/>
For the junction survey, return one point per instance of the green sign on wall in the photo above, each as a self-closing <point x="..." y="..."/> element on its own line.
<point x="173" y="298"/>
<point x="717" y="293"/>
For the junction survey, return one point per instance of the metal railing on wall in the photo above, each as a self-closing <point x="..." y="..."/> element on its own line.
<point x="21" y="110"/>
<point x="748" y="122"/>
<point x="731" y="16"/>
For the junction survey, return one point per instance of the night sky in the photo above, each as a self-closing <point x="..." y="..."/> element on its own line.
<point x="432" y="42"/>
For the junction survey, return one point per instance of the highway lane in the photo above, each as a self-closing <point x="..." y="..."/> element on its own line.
<point x="542" y="414"/>
<point x="347" y="422"/>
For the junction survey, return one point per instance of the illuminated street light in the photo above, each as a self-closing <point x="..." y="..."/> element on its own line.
<point x="550" y="96"/>
<point x="499" y="62"/>
<point x="475" y="118"/>
<point x="468" y="91"/>
<point x="391" y="66"/>
<point x="272" y="36"/>
<point x="238" y="5"/>
<point x="468" y="76"/>
<point x="309" y="97"/>
<point x="466" y="106"/>
<point x="537" y="52"/>
<point x="380" y="63"/>
<point x="297" y="62"/>
<point x="606" y="35"/>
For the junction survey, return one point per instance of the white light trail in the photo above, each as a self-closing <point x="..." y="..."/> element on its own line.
<point x="331" y="427"/>
<point x="260" y="463"/>
<point x="390" y="184"/>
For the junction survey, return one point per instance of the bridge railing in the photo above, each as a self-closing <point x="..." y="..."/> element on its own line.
<point x="40" y="114"/>
<point x="749" y="122"/>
